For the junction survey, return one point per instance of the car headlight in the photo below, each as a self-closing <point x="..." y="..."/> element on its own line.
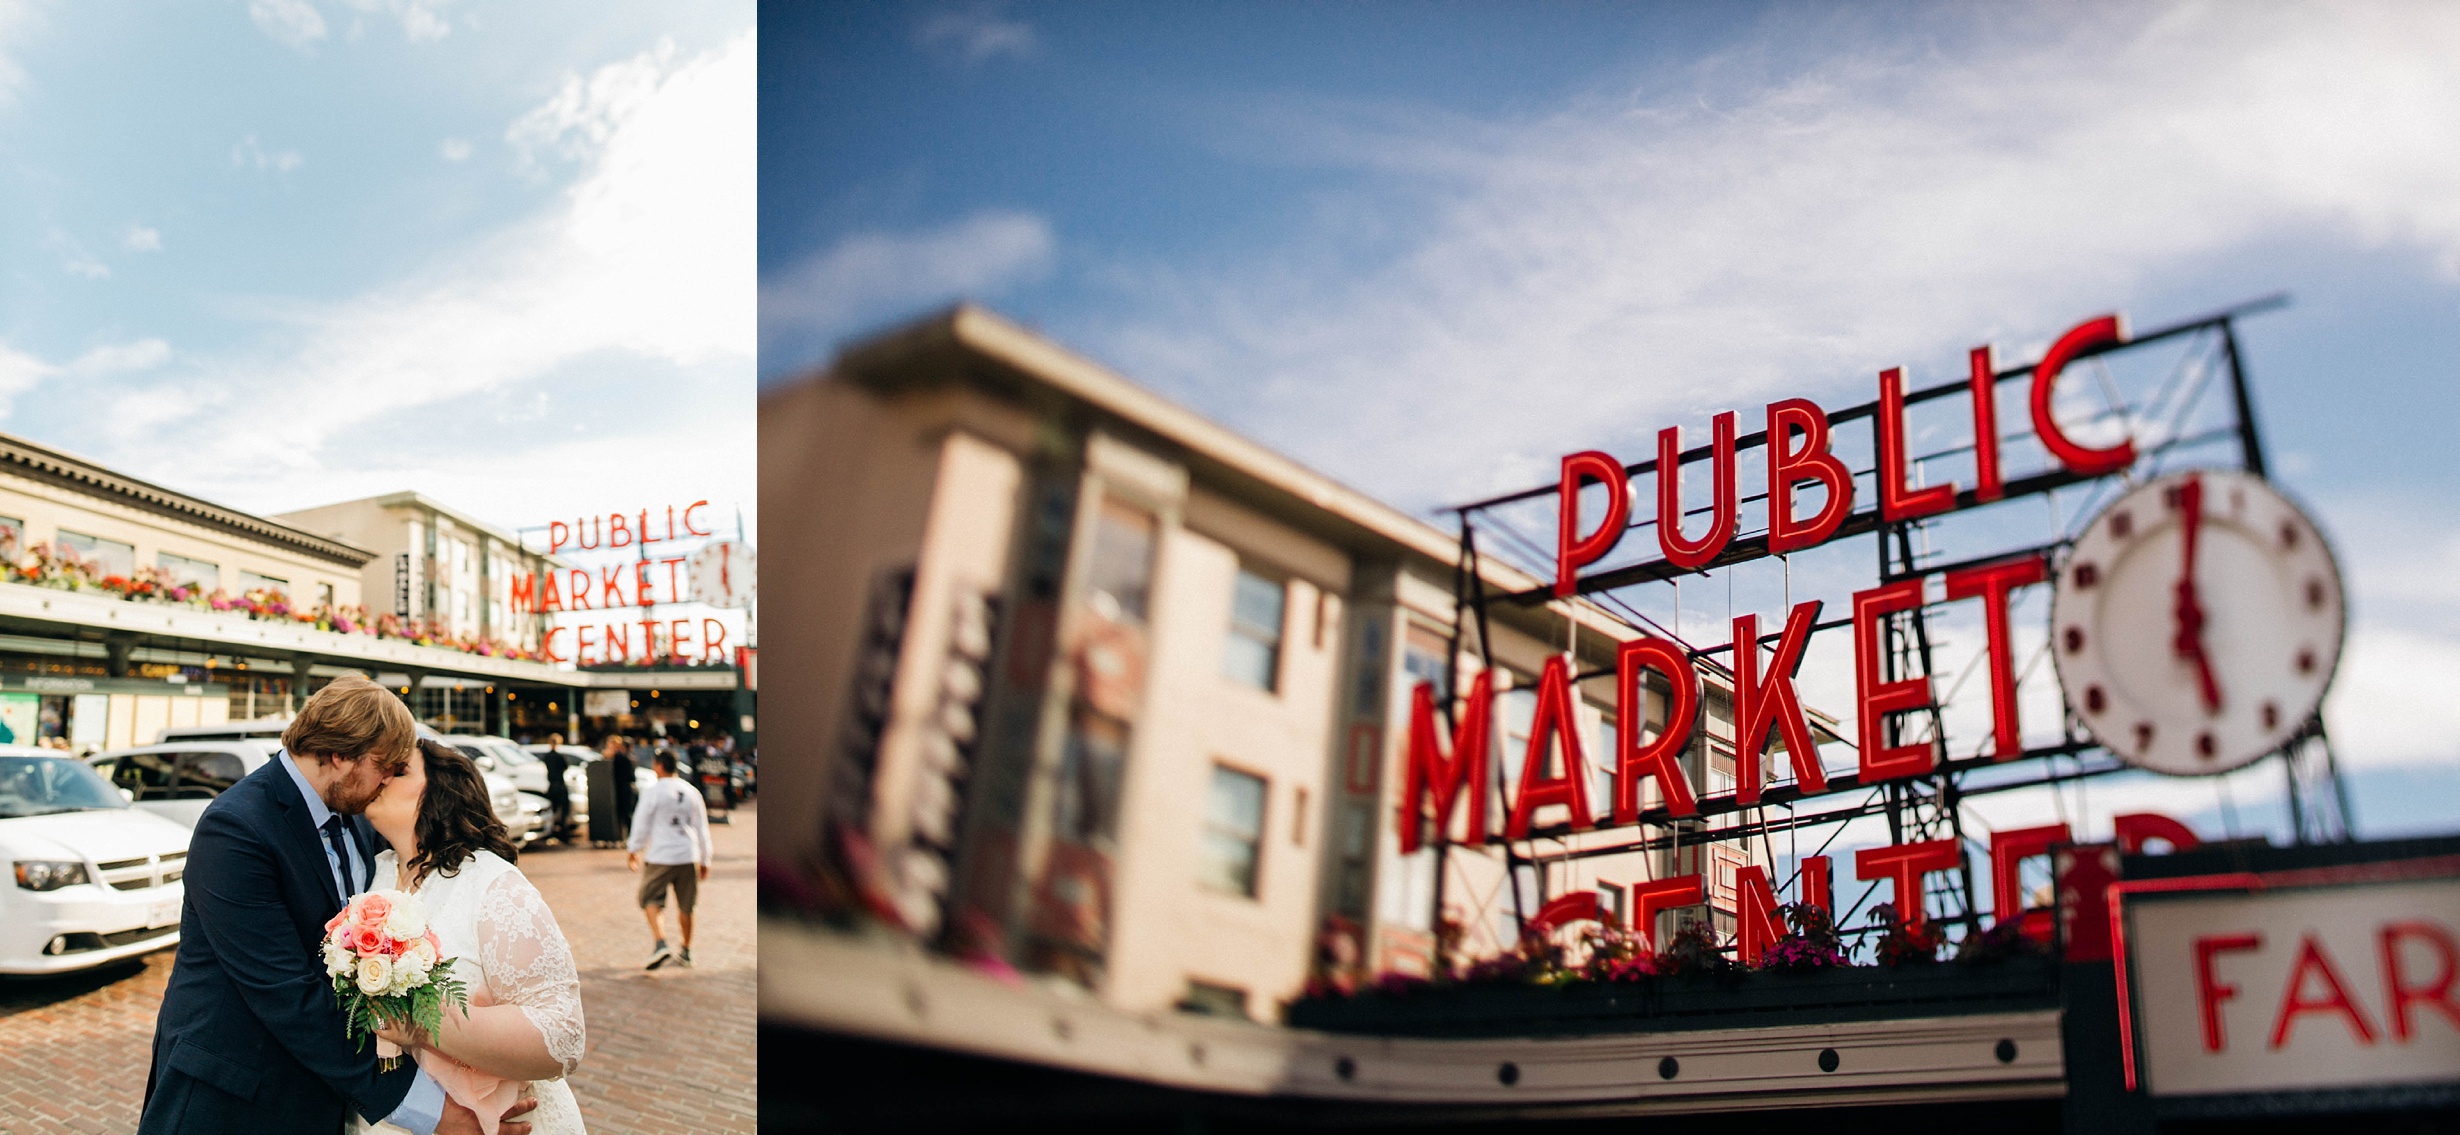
<point x="49" y="874"/>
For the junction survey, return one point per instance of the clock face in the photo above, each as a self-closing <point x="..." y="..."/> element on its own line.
<point x="2197" y="622"/>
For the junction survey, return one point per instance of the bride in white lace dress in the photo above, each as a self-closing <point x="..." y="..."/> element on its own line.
<point x="523" y="1032"/>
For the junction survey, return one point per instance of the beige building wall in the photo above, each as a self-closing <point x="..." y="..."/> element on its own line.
<point x="470" y="563"/>
<point x="47" y="510"/>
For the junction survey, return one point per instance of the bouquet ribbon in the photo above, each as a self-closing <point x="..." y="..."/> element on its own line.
<point x="486" y="1095"/>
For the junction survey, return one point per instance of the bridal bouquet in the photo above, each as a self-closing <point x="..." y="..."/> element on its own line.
<point x="386" y="969"/>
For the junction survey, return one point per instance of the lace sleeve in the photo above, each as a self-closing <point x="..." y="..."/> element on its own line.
<point x="529" y="964"/>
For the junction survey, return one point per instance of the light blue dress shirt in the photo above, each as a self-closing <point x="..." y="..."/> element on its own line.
<point x="423" y="1107"/>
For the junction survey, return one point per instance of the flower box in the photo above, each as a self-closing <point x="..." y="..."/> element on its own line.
<point x="1740" y="999"/>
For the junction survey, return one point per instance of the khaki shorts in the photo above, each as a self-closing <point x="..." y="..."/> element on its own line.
<point x="656" y="877"/>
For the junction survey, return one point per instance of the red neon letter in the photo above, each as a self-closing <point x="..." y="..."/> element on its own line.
<point x="1814" y="888"/>
<point x="2294" y="1003"/>
<point x="674" y="640"/>
<point x="712" y="639"/>
<point x="687" y="519"/>
<point x="546" y="645"/>
<point x="1449" y="779"/>
<point x="2131" y="830"/>
<point x="1896" y="502"/>
<point x="579" y="591"/>
<point x="2008" y="851"/>
<point x="525" y="591"/>
<point x="581" y="652"/>
<point x="674" y="582"/>
<point x="1661" y="758"/>
<point x="1878" y="699"/>
<point x="611" y="594"/>
<point x="550" y="597"/>
<point x="1537" y="789"/>
<point x="1571" y="548"/>
<point x="618" y="646"/>
<point x="1695" y="554"/>
<point x="1906" y="863"/>
<point x="2209" y="992"/>
<point x="1985" y="392"/>
<point x="557" y="533"/>
<point x="1657" y="895"/>
<point x="640" y="583"/>
<point x="2399" y="993"/>
<point x="618" y="530"/>
<point x="1756" y="925"/>
<point x="1562" y="911"/>
<point x="2084" y="336"/>
<point x="1992" y="583"/>
<point x="1759" y="704"/>
<point x="1812" y="462"/>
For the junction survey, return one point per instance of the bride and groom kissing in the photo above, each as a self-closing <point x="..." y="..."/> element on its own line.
<point x="251" y="1038"/>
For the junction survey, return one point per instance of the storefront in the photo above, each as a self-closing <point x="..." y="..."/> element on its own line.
<point x="1093" y="694"/>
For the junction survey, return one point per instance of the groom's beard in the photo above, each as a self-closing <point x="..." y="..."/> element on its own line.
<point x="356" y="789"/>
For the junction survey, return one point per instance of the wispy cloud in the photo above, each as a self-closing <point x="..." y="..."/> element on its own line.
<point x="75" y="258"/>
<point x="17" y="21"/>
<point x="141" y="238"/>
<point x="454" y="150"/>
<point x="295" y="24"/>
<point x="873" y="274"/>
<point x="422" y="21"/>
<point x="975" y="35"/>
<point x="249" y="153"/>
<point x="1649" y="258"/>
<point x="643" y="266"/>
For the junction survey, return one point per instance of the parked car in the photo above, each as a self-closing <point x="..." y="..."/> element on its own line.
<point x="178" y="779"/>
<point x="642" y="774"/>
<point x="92" y="879"/>
<point x="500" y="757"/>
<point x="260" y="729"/>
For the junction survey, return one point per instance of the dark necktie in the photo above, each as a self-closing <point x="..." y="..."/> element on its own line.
<point x="341" y="855"/>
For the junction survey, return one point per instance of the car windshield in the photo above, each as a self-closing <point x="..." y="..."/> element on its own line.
<point x="39" y="786"/>
<point x="514" y="756"/>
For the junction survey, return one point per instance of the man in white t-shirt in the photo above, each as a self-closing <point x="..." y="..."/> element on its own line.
<point x="670" y="831"/>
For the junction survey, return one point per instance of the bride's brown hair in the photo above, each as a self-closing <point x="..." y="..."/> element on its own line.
<point x="456" y="818"/>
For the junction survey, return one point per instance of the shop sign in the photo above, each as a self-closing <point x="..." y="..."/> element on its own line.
<point x="2186" y="559"/>
<point x="2242" y="983"/>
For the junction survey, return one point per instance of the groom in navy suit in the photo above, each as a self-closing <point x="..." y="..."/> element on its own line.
<point x="249" y="1038"/>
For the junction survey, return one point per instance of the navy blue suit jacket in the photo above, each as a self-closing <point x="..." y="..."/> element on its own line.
<point x="249" y="1038"/>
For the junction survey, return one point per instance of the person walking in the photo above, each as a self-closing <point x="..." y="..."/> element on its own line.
<point x="619" y="764"/>
<point x="670" y="833"/>
<point x="559" y="794"/>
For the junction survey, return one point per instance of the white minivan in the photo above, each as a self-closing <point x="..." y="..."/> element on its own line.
<point x="91" y="878"/>
<point x="178" y="778"/>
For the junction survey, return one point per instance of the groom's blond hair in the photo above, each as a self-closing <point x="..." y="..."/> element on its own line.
<point x="353" y="718"/>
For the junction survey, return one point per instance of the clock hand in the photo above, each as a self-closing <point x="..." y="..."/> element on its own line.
<point x="2189" y="612"/>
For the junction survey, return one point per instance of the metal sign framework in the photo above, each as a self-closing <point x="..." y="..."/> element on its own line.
<point x="1931" y="806"/>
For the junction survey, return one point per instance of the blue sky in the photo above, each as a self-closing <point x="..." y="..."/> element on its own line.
<point x="1428" y="248"/>
<point x="284" y="252"/>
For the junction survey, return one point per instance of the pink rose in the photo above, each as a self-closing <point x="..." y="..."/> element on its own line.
<point x="374" y="908"/>
<point x="369" y="941"/>
<point x="336" y="921"/>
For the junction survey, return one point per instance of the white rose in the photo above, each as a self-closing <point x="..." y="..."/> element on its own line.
<point x="403" y="981"/>
<point x="406" y="921"/>
<point x="337" y="959"/>
<point x="424" y="951"/>
<point x="375" y="974"/>
<point x="411" y="964"/>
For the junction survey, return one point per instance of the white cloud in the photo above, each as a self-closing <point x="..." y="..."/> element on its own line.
<point x="1587" y="275"/>
<point x="871" y="274"/>
<point x="976" y="35"/>
<point x="295" y="24"/>
<point x="454" y="150"/>
<point x="422" y="21"/>
<point x="646" y="260"/>
<point x="141" y="238"/>
<point x="19" y="373"/>
<point x="586" y="112"/>
<point x="75" y="258"/>
<point x="121" y="358"/>
<point x="248" y="152"/>
<point x="17" y="19"/>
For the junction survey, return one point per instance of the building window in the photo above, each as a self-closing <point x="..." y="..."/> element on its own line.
<point x="185" y="572"/>
<point x="1611" y="898"/>
<point x="1119" y="571"/>
<point x="113" y="557"/>
<point x="1233" y="827"/>
<point x="1204" y="998"/>
<point x="12" y="537"/>
<point x="1426" y="655"/>
<point x="250" y="581"/>
<point x="1252" y="654"/>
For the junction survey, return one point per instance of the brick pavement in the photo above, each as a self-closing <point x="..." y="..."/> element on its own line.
<point x="669" y="1052"/>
